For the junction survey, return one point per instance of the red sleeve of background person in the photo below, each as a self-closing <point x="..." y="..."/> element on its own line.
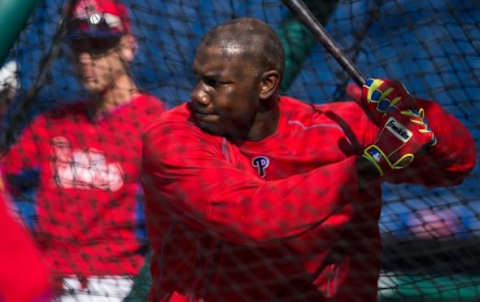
<point x="23" y="277"/>
<point x="184" y="167"/>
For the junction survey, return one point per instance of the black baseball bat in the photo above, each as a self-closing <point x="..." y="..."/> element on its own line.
<point x="305" y="15"/>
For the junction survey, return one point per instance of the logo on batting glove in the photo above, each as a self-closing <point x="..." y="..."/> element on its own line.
<point x="404" y="136"/>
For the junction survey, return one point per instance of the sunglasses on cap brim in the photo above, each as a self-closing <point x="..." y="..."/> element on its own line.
<point x="95" y="26"/>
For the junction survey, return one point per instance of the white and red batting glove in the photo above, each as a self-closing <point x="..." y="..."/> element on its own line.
<point x="404" y="130"/>
<point x="404" y="136"/>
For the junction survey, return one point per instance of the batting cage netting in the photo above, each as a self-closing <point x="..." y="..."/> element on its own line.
<point x="430" y="236"/>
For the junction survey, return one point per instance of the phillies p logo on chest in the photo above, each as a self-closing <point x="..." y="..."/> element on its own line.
<point x="261" y="163"/>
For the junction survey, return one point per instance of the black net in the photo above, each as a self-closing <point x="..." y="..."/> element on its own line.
<point x="430" y="236"/>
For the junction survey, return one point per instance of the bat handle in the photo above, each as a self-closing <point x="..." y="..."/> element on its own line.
<point x="307" y="17"/>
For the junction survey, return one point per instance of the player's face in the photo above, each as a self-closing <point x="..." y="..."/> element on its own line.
<point x="225" y="98"/>
<point x="98" y="63"/>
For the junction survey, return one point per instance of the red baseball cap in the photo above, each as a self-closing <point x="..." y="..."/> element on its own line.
<point x="98" y="19"/>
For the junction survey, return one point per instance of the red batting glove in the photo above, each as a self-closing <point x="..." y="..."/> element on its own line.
<point x="405" y="134"/>
<point x="381" y="98"/>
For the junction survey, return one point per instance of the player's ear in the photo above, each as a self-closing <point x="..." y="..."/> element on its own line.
<point x="128" y="47"/>
<point x="269" y="83"/>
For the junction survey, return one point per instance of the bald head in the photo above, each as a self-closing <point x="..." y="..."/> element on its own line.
<point x="250" y="38"/>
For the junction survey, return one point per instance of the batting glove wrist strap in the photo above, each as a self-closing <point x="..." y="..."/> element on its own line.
<point x="382" y="162"/>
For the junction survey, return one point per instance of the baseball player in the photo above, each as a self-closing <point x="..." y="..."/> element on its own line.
<point x="87" y="156"/>
<point x="254" y="196"/>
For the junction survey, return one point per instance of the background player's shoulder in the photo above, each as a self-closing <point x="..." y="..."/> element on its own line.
<point x="148" y="108"/>
<point x="153" y="102"/>
<point x="178" y="114"/>
<point x="65" y="110"/>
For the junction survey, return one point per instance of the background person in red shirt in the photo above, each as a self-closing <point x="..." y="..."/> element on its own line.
<point x="253" y="196"/>
<point x="87" y="156"/>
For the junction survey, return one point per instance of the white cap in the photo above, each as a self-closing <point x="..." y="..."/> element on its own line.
<point x="8" y="76"/>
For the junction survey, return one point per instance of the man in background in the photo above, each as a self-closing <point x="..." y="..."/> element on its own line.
<point x="87" y="156"/>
